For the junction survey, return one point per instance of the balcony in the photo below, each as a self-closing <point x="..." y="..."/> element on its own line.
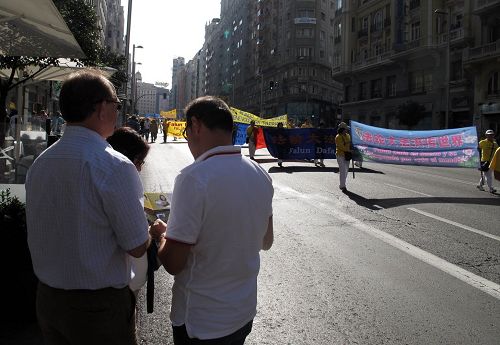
<point x="305" y="20"/>
<point x="478" y="54"/>
<point x="373" y="61"/>
<point x="456" y="35"/>
<point x="483" y="6"/>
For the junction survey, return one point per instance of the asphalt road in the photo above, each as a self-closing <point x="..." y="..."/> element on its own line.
<point x="409" y="256"/>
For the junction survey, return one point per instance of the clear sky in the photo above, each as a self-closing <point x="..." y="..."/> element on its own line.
<point x="167" y="29"/>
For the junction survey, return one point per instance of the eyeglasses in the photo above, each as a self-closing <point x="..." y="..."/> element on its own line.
<point x="184" y="133"/>
<point x="115" y="101"/>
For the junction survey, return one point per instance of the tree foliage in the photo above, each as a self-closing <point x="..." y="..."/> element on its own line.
<point x="81" y="19"/>
<point x="410" y="114"/>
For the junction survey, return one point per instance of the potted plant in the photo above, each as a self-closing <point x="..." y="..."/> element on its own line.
<point x="19" y="282"/>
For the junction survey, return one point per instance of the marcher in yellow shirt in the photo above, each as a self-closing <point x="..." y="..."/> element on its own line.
<point x="487" y="147"/>
<point x="495" y="164"/>
<point x="343" y="144"/>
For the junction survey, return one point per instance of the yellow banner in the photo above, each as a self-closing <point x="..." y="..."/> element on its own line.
<point x="171" y="114"/>
<point x="245" y="117"/>
<point x="176" y="128"/>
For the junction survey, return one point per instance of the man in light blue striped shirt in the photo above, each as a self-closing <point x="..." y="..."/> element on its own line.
<point x="84" y="215"/>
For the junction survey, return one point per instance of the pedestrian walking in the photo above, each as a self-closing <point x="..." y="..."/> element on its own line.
<point x="83" y="224"/>
<point x="153" y="129"/>
<point x="252" y="139"/>
<point x="215" y="258"/>
<point x="147" y="126"/>
<point x="487" y="148"/>
<point x="282" y="145"/>
<point x="319" y="147"/>
<point x="134" y="123"/>
<point x="343" y="153"/>
<point x="165" y="126"/>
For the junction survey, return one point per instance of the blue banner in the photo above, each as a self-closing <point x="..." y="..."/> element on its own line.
<point x="240" y="135"/>
<point x="447" y="148"/>
<point x="300" y="143"/>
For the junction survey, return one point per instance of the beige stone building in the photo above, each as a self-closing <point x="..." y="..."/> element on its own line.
<point x="393" y="52"/>
<point x="482" y="60"/>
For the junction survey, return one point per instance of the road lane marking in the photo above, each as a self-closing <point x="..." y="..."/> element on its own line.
<point x="409" y="190"/>
<point x="467" y="277"/>
<point x="468" y="228"/>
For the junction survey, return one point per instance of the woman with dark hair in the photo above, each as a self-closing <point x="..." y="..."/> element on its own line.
<point x="130" y="143"/>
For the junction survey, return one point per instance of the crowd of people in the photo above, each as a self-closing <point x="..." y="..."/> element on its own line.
<point x="147" y="127"/>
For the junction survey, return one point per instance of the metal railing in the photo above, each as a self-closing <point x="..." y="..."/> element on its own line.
<point x="486" y="50"/>
<point x="482" y="4"/>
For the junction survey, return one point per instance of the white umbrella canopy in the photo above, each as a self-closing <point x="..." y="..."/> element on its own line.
<point x="52" y="73"/>
<point x="35" y="28"/>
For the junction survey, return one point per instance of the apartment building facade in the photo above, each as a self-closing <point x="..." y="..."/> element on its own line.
<point x="482" y="60"/>
<point x="291" y="55"/>
<point x="272" y="57"/>
<point x="178" y="81"/>
<point x="394" y="52"/>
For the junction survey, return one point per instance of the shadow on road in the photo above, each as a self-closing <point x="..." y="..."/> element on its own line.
<point x="373" y="204"/>
<point x="295" y="169"/>
<point x="290" y="169"/>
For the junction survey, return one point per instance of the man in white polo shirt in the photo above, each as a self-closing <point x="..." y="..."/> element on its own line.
<point x="84" y="216"/>
<point x="220" y="219"/>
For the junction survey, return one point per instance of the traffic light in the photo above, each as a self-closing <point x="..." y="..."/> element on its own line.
<point x="271" y="84"/>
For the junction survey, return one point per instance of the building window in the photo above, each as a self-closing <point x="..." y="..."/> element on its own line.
<point x="493" y="84"/>
<point x="362" y="90"/>
<point x="391" y="86"/>
<point x="377" y="21"/>
<point x="305" y="52"/>
<point x="305" y="33"/>
<point x="337" y="30"/>
<point x="415" y="31"/>
<point x="376" y="88"/>
<point x="456" y="70"/>
<point x="339" y="4"/>
<point x="428" y="82"/>
<point x="322" y="35"/>
<point x="353" y="24"/>
<point x="347" y="93"/>
<point x="306" y="13"/>
<point x="416" y="82"/>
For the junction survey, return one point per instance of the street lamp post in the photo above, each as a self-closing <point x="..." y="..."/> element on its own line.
<point x="134" y="99"/>
<point x="127" y="49"/>
<point x="133" y="84"/>
<point x="448" y="61"/>
<point x="261" y="93"/>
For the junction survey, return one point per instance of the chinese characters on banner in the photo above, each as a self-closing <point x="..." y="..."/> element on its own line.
<point x="446" y="148"/>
